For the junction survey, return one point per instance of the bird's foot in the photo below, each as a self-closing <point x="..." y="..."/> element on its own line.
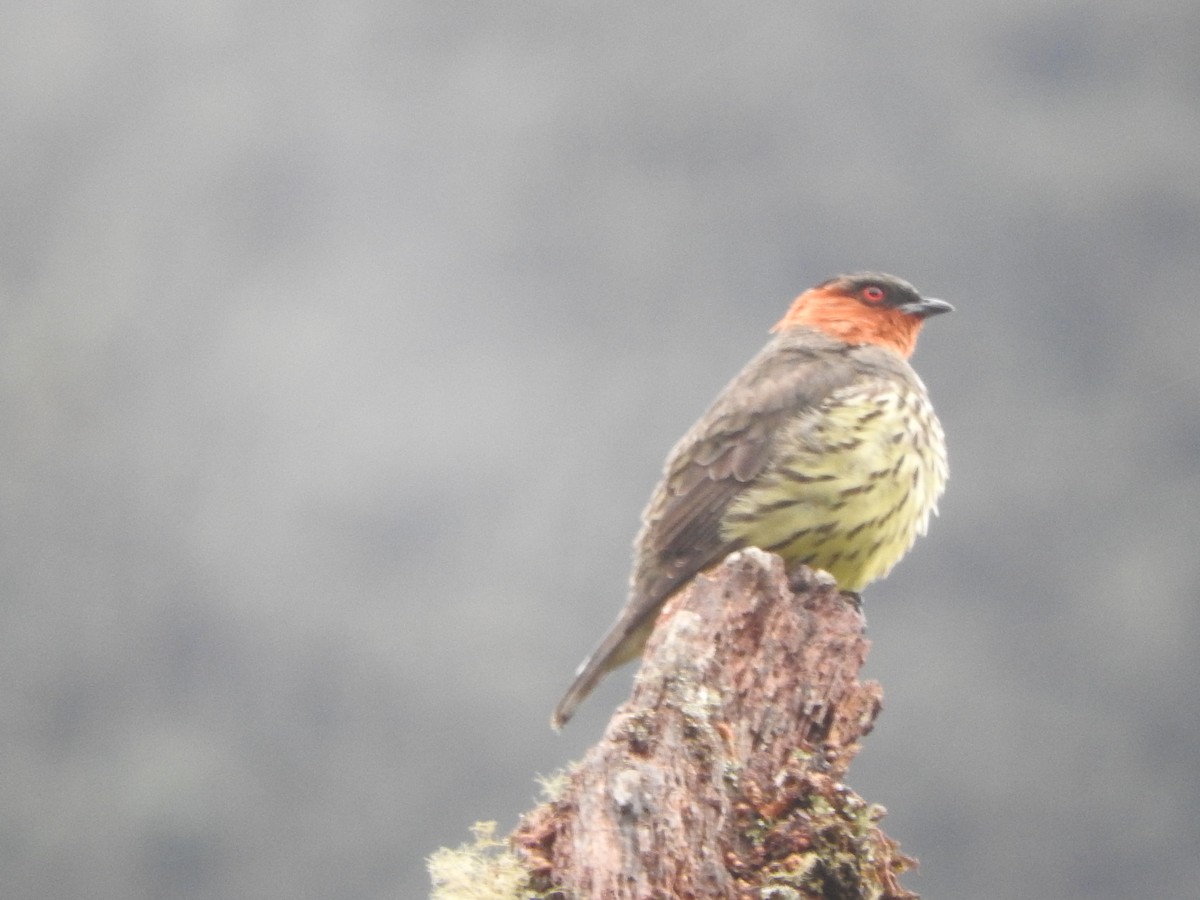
<point x="804" y="578"/>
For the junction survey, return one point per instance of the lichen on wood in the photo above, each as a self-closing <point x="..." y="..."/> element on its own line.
<point x="722" y="775"/>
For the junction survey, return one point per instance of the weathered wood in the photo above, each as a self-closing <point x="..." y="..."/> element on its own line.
<point x="721" y="776"/>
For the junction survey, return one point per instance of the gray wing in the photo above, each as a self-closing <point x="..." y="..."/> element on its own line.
<point x="725" y="450"/>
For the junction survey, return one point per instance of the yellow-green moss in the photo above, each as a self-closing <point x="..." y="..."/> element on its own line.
<point x="484" y="870"/>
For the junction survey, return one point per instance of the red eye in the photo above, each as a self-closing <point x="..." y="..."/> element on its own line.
<point x="873" y="294"/>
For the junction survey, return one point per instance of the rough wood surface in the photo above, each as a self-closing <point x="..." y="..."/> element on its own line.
<point x="721" y="776"/>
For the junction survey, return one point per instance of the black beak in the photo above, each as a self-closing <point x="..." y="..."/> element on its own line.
<point x="926" y="307"/>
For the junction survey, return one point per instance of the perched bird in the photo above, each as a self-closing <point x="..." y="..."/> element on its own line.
<point x="825" y="449"/>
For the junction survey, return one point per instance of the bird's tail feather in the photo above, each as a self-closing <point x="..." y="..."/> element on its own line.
<point x="622" y="643"/>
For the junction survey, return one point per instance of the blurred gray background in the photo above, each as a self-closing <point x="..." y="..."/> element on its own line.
<point x="341" y="344"/>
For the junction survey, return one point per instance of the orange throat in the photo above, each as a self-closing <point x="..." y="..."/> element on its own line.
<point x="847" y="319"/>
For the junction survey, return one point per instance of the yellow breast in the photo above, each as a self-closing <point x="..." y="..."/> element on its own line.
<point x="851" y="485"/>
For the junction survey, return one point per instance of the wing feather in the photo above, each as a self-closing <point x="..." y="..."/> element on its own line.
<point x="730" y="446"/>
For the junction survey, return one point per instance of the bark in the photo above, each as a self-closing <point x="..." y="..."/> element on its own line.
<point x="721" y="776"/>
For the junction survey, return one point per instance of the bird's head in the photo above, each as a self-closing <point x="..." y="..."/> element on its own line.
<point x="864" y="308"/>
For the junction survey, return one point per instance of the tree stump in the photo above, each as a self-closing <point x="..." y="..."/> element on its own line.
<point x="721" y="776"/>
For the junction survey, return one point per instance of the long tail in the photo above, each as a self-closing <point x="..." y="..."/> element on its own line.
<point x="623" y="642"/>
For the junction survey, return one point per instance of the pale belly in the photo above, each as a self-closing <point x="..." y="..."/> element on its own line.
<point x="850" y="489"/>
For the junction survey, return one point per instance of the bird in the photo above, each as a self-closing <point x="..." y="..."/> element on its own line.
<point x="824" y="449"/>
